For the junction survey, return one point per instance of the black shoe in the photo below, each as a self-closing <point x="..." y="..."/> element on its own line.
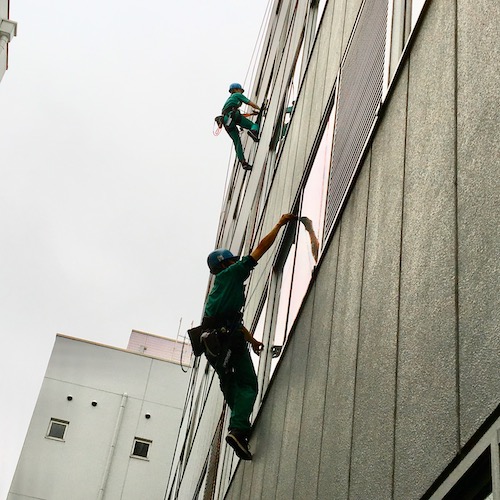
<point x="246" y="165"/>
<point x="239" y="443"/>
<point x="254" y="135"/>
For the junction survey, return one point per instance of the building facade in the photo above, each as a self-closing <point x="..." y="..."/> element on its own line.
<point x="105" y="424"/>
<point x="8" y="29"/>
<point x="380" y="376"/>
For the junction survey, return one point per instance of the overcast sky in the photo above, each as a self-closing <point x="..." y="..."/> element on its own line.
<point x="111" y="179"/>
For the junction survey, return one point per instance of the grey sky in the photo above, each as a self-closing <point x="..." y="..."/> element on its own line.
<point x="111" y="180"/>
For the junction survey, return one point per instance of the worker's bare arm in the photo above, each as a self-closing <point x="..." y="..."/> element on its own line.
<point x="253" y="105"/>
<point x="269" y="239"/>
<point x="256" y="345"/>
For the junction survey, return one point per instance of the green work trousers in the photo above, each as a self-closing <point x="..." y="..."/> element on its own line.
<point x="234" y="118"/>
<point x="238" y="383"/>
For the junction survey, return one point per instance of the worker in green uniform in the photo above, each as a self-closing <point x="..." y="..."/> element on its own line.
<point x="226" y="346"/>
<point x="231" y="118"/>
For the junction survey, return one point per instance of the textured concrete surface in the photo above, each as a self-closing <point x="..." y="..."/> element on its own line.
<point x="246" y="468"/>
<point x="234" y="490"/>
<point x="270" y="451"/>
<point x="259" y="441"/>
<point x="311" y="427"/>
<point x="426" y="416"/>
<point x="298" y="349"/>
<point x="478" y="193"/>
<point x="373" y="428"/>
<point x="337" y="431"/>
<point x="311" y="424"/>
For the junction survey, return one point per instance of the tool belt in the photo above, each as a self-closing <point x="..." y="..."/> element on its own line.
<point x="215" y="336"/>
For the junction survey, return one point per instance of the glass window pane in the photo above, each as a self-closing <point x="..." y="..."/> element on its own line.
<point x="416" y="8"/>
<point x="476" y="483"/>
<point x="258" y="334"/>
<point x="280" y="329"/>
<point x="57" y="430"/>
<point x="141" y="449"/>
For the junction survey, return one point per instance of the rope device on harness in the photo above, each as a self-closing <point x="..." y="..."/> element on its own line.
<point x="217" y="127"/>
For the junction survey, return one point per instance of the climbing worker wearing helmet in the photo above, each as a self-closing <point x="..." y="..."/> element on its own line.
<point x="226" y="338"/>
<point x="231" y="118"/>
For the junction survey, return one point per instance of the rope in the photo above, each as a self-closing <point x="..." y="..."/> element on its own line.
<point x="260" y="37"/>
<point x="189" y="394"/>
<point x="185" y="453"/>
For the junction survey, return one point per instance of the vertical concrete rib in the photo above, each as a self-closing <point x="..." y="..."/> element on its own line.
<point x="426" y="418"/>
<point x="455" y="181"/>
<point x="336" y="441"/>
<point x="406" y="83"/>
<point x="372" y="460"/>
<point x="367" y="167"/>
<point x="298" y="350"/>
<point x="478" y="198"/>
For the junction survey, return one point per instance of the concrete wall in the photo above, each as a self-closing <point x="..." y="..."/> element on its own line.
<point x="55" y="470"/>
<point x="393" y="364"/>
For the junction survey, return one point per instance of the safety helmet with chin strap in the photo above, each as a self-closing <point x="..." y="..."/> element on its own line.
<point x="217" y="258"/>
<point x="235" y="86"/>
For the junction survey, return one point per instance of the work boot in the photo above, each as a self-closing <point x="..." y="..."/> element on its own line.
<point x="254" y="135"/>
<point x="246" y="165"/>
<point x="239" y="443"/>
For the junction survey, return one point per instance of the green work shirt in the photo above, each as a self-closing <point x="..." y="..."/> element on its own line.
<point x="235" y="101"/>
<point x="227" y="296"/>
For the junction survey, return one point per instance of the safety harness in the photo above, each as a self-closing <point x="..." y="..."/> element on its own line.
<point x="217" y="338"/>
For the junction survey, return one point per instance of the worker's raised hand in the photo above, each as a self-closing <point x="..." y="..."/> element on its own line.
<point x="286" y="218"/>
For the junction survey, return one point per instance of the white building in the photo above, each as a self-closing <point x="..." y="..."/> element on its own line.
<point x="8" y="29"/>
<point x="105" y="423"/>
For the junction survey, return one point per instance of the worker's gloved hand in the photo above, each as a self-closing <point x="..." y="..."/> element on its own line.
<point x="257" y="346"/>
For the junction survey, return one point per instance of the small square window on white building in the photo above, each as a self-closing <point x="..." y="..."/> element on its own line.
<point x="57" y="429"/>
<point x="141" y="448"/>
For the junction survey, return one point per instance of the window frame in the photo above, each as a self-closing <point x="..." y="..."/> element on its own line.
<point x="59" y="422"/>
<point x="402" y="22"/>
<point x="138" y="440"/>
<point x="490" y="439"/>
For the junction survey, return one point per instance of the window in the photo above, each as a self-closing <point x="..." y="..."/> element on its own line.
<point x="402" y="18"/>
<point x="475" y="484"/>
<point x="315" y="191"/>
<point x="288" y="104"/>
<point x="298" y="257"/>
<point x="475" y="475"/>
<point x="283" y="276"/>
<point x="57" y="429"/>
<point x="259" y="362"/>
<point x="141" y="448"/>
<point x="416" y="9"/>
